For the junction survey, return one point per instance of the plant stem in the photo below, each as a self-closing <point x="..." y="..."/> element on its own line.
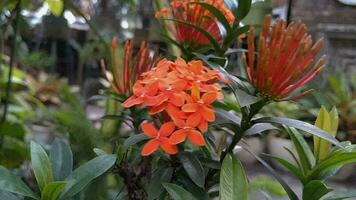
<point x="12" y="59"/>
<point x="247" y="115"/>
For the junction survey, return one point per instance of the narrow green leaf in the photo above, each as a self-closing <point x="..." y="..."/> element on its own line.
<point x="86" y="173"/>
<point x="41" y="165"/>
<point x="341" y="196"/>
<point x="289" y="166"/>
<point x="233" y="180"/>
<point x="193" y="168"/>
<point x="11" y="183"/>
<point x="299" y="125"/>
<point x="53" y="190"/>
<point x="259" y="128"/>
<point x="314" y="190"/>
<point x="243" y="8"/>
<point x="211" y="39"/>
<point x="328" y="122"/>
<point x="234" y="35"/>
<point x="177" y="192"/>
<point x="134" y="139"/>
<point x="8" y="196"/>
<point x="306" y="157"/>
<point x="290" y="192"/>
<point x="61" y="158"/>
<point x="55" y="6"/>
<point x="99" y="152"/>
<point x="217" y="13"/>
<point x="331" y="162"/>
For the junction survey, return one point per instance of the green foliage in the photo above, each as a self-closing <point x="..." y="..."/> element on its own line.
<point x="69" y="183"/>
<point x="193" y="167"/>
<point x="233" y="180"/>
<point x="41" y="165"/>
<point x="315" y="190"/>
<point x="329" y="122"/>
<point x="177" y="192"/>
<point x="268" y="185"/>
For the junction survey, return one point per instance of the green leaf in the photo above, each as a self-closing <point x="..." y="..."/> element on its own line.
<point x="61" y="159"/>
<point x="217" y="13"/>
<point x="234" y="34"/>
<point x="331" y="162"/>
<point x="53" y="190"/>
<point x="193" y="168"/>
<point x="12" y="183"/>
<point x="154" y="187"/>
<point x="86" y="173"/>
<point x="8" y="196"/>
<point x="55" y="6"/>
<point x="306" y="156"/>
<point x="259" y="128"/>
<point x="289" y="166"/>
<point x="211" y="39"/>
<point x="314" y="190"/>
<point x="329" y="123"/>
<point x="299" y="125"/>
<point x="240" y="8"/>
<point x="341" y="196"/>
<point x="99" y="152"/>
<point x="134" y="139"/>
<point x="177" y="192"/>
<point x="41" y="165"/>
<point x="12" y="129"/>
<point x="290" y="192"/>
<point x="269" y="185"/>
<point x="233" y="180"/>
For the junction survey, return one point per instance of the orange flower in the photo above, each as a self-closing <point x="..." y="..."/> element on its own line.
<point x="284" y="61"/>
<point x="186" y="130"/>
<point x="181" y="93"/>
<point x="200" y="108"/>
<point x="159" y="139"/>
<point x="186" y="10"/>
<point x="125" y="76"/>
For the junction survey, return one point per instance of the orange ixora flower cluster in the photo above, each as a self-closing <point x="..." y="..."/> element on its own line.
<point x="180" y="94"/>
<point x="190" y="12"/>
<point x="284" y="61"/>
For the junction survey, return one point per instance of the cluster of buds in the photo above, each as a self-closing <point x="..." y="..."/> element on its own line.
<point x="191" y="12"/>
<point x="285" y="59"/>
<point x="123" y="77"/>
<point x="181" y="95"/>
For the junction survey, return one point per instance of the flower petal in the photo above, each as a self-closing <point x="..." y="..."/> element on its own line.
<point x="190" y="107"/>
<point x="210" y="97"/>
<point x="149" y="130"/>
<point x="177" y="99"/>
<point x="150" y="147"/>
<point x="132" y="101"/>
<point x="157" y="109"/>
<point x="167" y="129"/>
<point x="168" y="147"/>
<point x="178" y="136"/>
<point x="194" y="120"/>
<point x="196" y="138"/>
<point x="203" y="126"/>
<point x="207" y="113"/>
